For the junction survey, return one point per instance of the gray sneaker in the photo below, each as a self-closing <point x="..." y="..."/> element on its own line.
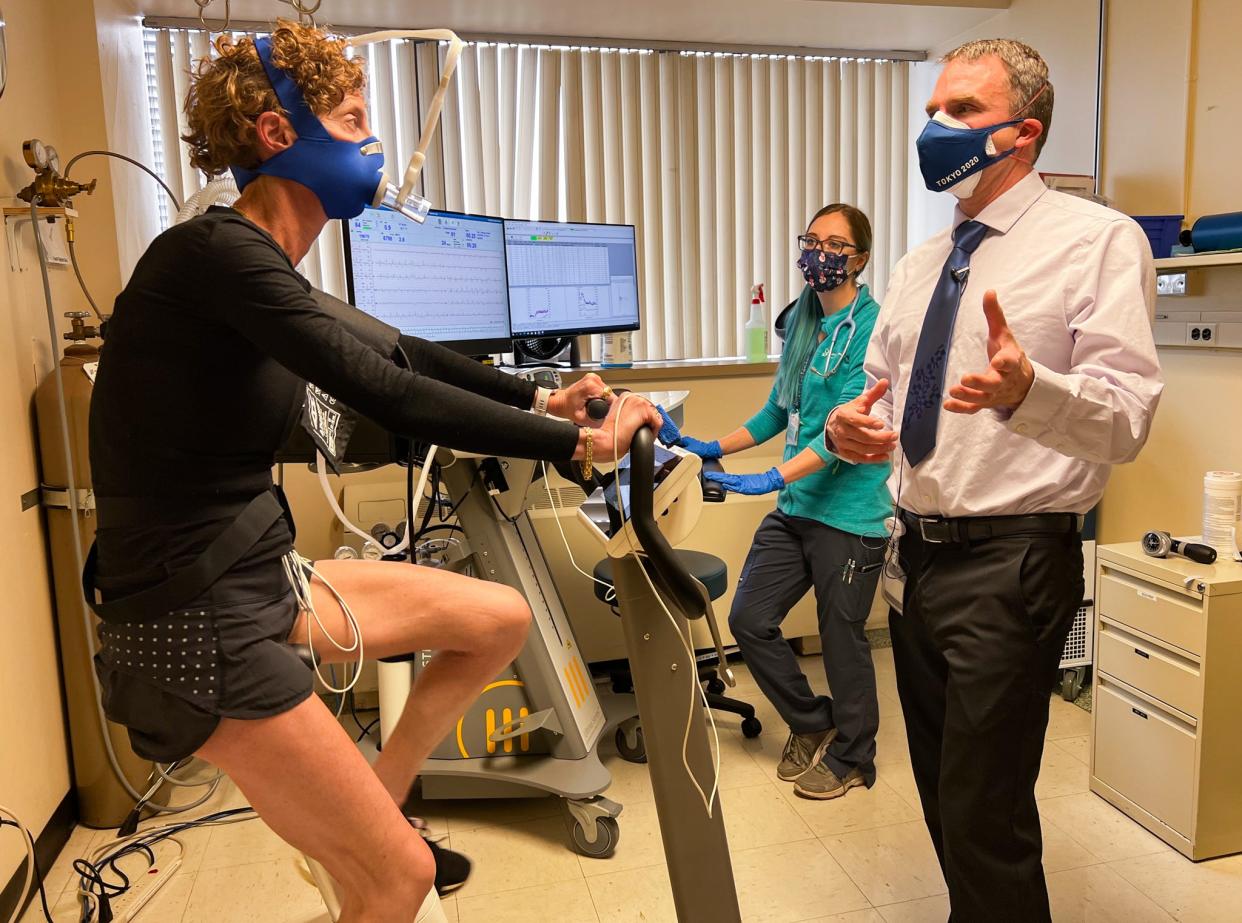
<point x="822" y="783"/>
<point x="801" y="752"/>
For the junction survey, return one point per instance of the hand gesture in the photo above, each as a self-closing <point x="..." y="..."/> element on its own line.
<point x="856" y="435"/>
<point x="1008" y="377"/>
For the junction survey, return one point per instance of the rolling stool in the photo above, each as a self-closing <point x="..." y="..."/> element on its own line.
<point x="713" y="573"/>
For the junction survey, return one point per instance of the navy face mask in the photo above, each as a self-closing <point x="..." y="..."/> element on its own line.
<point x="346" y="176"/>
<point x="953" y="156"/>
<point x="823" y="271"/>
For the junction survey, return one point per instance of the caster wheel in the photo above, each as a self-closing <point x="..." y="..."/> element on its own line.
<point x="751" y="727"/>
<point x="607" y="833"/>
<point x="716" y="686"/>
<point x="1071" y="685"/>
<point x="636" y="753"/>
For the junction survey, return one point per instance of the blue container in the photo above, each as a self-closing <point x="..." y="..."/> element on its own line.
<point x="1162" y="231"/>
<point x="1217" y="232"/>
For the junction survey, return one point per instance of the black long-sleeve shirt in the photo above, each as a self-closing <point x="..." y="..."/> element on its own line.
<point x="202" y="378"/>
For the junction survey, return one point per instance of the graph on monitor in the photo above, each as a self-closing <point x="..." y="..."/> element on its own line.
<point x="567" y="278"/>
<point x="443" y="280"/>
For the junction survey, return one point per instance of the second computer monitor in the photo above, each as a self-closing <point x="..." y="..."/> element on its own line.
<point x="568" y="279"/>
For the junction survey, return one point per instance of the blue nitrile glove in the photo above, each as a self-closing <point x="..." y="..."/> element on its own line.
<point x="752" y="485"/>
<point x="671" y="435"/>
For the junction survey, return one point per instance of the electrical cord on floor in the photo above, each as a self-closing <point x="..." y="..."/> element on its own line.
<point x="96" y="892"/>
<point x="33" y="873"/>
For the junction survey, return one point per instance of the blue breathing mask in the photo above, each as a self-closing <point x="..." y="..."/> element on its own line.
<point x="346" y="176"/>
<point x="953" y="156"/>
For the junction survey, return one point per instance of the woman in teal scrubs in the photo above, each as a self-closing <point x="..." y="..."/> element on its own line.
<point x="827" y="531"/>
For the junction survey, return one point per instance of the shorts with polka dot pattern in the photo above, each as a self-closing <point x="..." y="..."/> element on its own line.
<point x="171" y="679"/>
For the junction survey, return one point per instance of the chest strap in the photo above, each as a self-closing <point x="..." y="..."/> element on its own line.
<point x="188" y="583"/>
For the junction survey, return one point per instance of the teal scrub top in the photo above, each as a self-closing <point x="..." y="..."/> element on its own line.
<point x="852" y="498"/>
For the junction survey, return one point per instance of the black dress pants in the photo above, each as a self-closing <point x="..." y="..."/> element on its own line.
<point x="976" y="654"/>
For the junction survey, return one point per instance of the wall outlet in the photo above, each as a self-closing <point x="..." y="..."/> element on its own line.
<point x="1201" y="335"/>
<point x="1171" y="283"/>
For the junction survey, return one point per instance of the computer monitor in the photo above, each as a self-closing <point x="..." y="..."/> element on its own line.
<point x="568" y="279"/>
<point x="442" y="280"/>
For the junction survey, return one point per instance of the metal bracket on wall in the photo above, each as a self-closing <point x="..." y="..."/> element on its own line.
<point x="57" y="498"/>
<point x="13" y="218"/>
<point x="30" y="499"/>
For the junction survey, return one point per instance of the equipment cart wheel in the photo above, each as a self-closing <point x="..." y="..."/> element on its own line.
<point x="607" y="833"/>
<point x="716" y="686"/>
<point x="592" y="825"/>
<point x="1072" y="681"/>
<point x="630" y="743"/>
<point x="751" y="727"/>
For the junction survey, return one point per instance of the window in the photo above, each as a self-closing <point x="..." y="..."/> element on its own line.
<point x="717" y="159"/>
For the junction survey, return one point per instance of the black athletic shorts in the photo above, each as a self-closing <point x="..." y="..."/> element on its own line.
<point x="171" y="679"/>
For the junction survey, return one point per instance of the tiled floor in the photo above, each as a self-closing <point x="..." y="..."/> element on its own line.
<point x="863" y="859"/>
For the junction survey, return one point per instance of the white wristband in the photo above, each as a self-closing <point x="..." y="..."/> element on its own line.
<point x="542" y="396"/>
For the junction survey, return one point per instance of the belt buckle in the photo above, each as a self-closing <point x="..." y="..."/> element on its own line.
<point x="923" y="523"/>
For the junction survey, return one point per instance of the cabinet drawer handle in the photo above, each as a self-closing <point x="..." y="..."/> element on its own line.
<point x="1141" y="714"/>
<point x="1143" y="654"/>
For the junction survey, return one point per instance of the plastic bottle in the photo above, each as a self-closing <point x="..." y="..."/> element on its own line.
<point x="617" y="350"/>
<point x="1222" y="504"/>
<point x="756" y="330"/>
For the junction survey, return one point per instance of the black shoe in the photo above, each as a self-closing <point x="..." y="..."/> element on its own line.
<point x="452" y="868"/>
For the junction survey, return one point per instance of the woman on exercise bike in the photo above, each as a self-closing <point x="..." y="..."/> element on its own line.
<point x="209" y="353"/>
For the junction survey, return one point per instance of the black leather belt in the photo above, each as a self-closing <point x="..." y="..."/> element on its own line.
<point x="966" y="529"/>
<point x="186" y="584"/>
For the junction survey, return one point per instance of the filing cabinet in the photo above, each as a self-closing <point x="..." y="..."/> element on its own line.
<point x="1166" y="744"/>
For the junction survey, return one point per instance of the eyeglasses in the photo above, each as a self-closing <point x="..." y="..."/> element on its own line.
<point x="831" y="245"/>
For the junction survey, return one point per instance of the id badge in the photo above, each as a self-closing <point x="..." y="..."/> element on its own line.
<point x="791" y="431"/>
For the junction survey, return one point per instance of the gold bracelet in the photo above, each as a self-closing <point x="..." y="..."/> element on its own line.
<point x="588" y="455"/>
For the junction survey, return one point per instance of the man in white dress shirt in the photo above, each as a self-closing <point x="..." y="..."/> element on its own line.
<point x="1011" y="365"/>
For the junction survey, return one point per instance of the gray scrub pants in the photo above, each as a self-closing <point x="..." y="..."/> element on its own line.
<point x="789" y="556"/>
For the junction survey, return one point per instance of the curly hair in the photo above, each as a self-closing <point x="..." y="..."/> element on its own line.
<point x="228" y="92"/>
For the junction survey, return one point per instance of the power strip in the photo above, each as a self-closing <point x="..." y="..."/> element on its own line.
<point x="146" y="881"/>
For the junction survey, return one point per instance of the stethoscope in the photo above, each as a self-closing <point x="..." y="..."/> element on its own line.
<point x="830" y="368"/>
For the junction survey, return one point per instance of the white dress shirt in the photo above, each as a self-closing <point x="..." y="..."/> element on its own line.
<point x="1078" y="288"/>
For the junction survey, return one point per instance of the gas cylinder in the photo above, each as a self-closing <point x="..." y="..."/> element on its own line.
<point x="102" y="801"/>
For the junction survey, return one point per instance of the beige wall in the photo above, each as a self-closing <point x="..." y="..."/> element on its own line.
<point x="54" y="93"/>
<point x="1172" y="127"/>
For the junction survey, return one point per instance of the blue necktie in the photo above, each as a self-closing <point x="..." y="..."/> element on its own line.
<point x="923" y="397"/>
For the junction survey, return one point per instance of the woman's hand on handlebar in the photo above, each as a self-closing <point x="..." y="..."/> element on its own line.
<point x="671" y="435"/>
<point x="612" y="437"/>
<point x="571" y="403"/>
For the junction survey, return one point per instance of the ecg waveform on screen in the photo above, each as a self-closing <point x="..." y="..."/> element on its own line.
<point x="433" y="290"/>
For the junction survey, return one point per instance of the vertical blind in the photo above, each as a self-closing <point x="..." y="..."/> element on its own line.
<point x="717" y="159"/>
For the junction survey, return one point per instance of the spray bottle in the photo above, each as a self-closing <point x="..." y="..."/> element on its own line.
<point x="756" y="330"/>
